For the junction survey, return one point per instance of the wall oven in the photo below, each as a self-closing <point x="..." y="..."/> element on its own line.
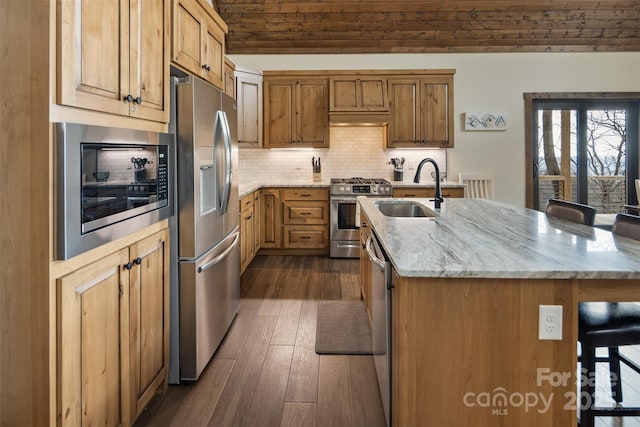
<point x="109" y="183"/>
<point x="344" y="232"/>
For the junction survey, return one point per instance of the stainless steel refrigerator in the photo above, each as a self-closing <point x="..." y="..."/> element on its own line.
<point x="205" y="265"/>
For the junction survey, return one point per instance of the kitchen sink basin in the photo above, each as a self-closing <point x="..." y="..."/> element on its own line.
<point x="404" y="209"/>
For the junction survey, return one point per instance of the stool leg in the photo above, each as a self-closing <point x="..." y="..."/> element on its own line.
<point x="614" y="369"/>
<point x="588" y="389"/>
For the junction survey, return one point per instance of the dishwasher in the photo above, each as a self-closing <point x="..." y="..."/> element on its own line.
<point x="381" y="320"/>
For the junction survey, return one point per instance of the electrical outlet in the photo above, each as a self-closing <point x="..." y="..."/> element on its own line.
<point x="550" y="322"/>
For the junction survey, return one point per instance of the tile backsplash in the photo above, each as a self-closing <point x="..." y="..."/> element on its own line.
<point x="354" y="151"/>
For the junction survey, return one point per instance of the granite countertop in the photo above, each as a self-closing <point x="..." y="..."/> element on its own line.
<point x="245" y="188"/>
<point x="491" y="239"/>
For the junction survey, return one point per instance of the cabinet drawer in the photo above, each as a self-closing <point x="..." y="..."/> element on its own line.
<point x="246" y="202"/>
<point x="427" y="192"/>
<point x="302" y="212"/>
<point x="305" y="194"/>
<point x="306" y="236"/>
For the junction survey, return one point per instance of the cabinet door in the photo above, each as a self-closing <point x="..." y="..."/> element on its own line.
<point x="246" y="238"/>
<point x="365" y="266"/>
<point x="93" y="55"/>
<point x="229" y="78"/>
<point x="93" y="354"/>
<point x="148" y="319"/>
<point x="187" y="43"/>
<point x="271" y="220"/>
<point x="213" y="54"/>
<point x="249" y="93"/>
<point x="257" y="212"/>
<point x="435" y="113"/>
<point x="355" y="94"/>
<point x="279" y="113"/>
<point x="404" y="114"/>
<point x="149" y="70"/>
<point x="312" y="121"/>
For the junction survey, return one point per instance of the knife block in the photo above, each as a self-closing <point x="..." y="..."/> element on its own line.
<point x="317" y="176"/>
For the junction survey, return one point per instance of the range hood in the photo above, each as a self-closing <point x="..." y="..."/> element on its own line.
<point x="359" y="119"/>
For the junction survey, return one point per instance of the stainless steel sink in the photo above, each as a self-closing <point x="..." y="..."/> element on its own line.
<point x="404" y="209"/>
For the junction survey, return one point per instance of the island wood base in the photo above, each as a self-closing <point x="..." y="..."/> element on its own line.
<point x="466" y="351"/>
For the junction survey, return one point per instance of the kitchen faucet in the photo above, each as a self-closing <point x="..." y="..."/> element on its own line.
<point x="438" y="196"/>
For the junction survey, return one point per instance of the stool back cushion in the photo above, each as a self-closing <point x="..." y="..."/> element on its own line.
<point x="574" y="212"/>
<point x="627" y="225"/>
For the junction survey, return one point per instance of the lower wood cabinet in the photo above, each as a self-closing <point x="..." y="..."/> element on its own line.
<point x="113" y="335"/>
<point x="247" y="231"/>
<point x="295" y="219"/>
<point x="365" y="264"/>
<point x="427" y="192"/>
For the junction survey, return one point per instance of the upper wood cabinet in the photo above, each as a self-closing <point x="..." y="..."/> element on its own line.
<point x="229" y="78"/>
<point x="358" y="94"/>
<point x="113" y="57"/>
<point x="249" y="97"/>
<point x="296" y="112"/>
<point x="198" y="40"/>
<point x="421" y="111"/>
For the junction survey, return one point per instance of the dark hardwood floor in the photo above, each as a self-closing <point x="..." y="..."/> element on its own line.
<point x="266" y="371"/>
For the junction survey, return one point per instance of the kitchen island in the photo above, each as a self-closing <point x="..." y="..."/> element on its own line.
<point x="467" y="286"/>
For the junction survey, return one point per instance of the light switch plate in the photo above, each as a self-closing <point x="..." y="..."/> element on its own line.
<point x="550" y="322"/>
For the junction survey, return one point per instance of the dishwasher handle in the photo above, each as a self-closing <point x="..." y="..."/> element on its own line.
<point x="372" y="256"/>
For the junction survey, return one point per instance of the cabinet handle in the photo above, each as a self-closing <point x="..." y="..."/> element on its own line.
<point x="128" y="98"/>
<point x="128" y="265"/>
<point x="138" y="100"/>
<point x="409" y="195"/>
<point x="248" y="218"/>
<point x="305" y="237"/>
<point x="305" y="213"/>
<point x="138" y="261"/>
<point x="305" y="195"/>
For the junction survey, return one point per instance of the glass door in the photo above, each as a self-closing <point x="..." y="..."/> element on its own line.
<point x="585" y="152"/>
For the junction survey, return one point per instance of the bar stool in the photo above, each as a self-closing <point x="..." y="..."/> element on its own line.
<point x="574" y="212"/>
<point x="611" y="325"/>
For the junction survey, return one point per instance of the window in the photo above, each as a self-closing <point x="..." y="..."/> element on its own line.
<point x="582" y="148"/>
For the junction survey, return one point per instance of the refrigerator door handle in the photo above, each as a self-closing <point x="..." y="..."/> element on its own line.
<point x="220" y="257"/>
<point x="223" y="122"/>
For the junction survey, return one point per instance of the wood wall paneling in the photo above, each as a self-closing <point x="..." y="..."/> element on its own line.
<point x="320" y="26"/>
<point x="24" y="213"/>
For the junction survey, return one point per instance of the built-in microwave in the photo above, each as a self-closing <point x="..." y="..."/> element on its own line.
<point x="109" y="183"/>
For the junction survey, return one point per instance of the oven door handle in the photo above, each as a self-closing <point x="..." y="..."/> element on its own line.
<point x="344" y="199"/>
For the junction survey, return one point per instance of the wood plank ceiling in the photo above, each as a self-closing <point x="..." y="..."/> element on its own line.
<point x="361" y="26"/>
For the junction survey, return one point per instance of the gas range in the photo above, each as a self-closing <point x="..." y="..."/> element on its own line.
<point x="360" y="187"/>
